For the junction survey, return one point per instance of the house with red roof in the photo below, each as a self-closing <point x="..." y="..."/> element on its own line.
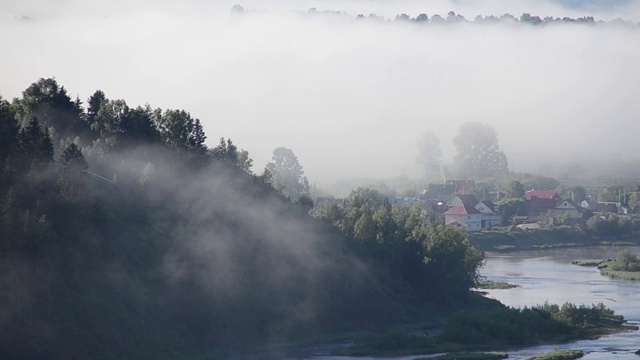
<point x="542" y="194"/>
<point x="465" y="215"/>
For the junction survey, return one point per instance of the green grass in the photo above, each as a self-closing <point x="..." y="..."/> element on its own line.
<point x="491" y="285"/>
<point x="501" y="241"/>
<point x="469" y="356"/>
<point x="559" y="355"/>
<point x="588" y="262"/>
<point x="621" y="275"/>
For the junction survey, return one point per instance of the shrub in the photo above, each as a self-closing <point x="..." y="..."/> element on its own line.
<point x="625" y="261"/>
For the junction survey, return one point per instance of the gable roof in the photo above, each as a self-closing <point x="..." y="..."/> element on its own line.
<point x="462" y="209"/>
<point x="606" y="207"/>
<point x="541" y="194"/>
<point x="489" y="205"/>
<point x="588" y="204"/>
<point x="467" y="199"/>
<point x="537" y="204"/>
<point x="570" y="202"/>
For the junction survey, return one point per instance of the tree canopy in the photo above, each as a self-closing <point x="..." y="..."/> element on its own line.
<point x="287" y="174"/>
<point x="478" y="152"/>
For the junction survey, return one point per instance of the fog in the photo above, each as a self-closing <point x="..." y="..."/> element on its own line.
<point x="350" y="98"/>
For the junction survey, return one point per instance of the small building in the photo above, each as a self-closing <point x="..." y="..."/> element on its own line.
<point x="606" y="207"/>
<point x="567" y="207"/>
<point x="489" y="215"/>
<point x="542" y="194"/>
<point x="468" y="218"/>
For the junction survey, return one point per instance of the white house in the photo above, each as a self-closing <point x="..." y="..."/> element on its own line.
<point x="465" y="216"/>
<point x="489" y="216"/>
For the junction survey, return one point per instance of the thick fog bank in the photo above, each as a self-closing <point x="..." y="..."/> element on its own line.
<point x="350" y="98"/>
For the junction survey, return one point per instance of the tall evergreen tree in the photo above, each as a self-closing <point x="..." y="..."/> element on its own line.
<point x="35" y="148"/>
<point x="73" y="159"/>
<point x="8" y="129"/>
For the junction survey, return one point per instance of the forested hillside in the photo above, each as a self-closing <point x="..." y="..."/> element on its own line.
<point x="122" y="235"/>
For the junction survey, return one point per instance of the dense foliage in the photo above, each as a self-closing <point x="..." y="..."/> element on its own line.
<point x="410" y="242"/>
<point x="610" y="225"/>
<point x="124" y="236"/>
<point x="625" y="261"/>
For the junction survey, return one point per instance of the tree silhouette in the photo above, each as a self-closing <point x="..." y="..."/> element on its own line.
<point x="479" y="154"/>
<point x="287" y="174"/>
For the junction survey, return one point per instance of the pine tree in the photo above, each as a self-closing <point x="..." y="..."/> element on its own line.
<point x="8" y="129"/>
<point x="72" y="158"/>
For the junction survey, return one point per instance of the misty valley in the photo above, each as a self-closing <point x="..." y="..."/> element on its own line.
<point x="125" y="236"/>
<point x="321" y="180"/>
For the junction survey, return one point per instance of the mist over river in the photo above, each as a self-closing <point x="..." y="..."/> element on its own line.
<point x="548" y="275"/>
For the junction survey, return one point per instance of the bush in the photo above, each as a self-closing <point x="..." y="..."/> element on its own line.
<point x="625" y="261"/>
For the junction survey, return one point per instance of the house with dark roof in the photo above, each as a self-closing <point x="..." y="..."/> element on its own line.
<point x="438" y="194"/>
<point x="606" y="207"/>
<point x="468" y="199"/>
<point x="541" y="206"/>
<point x="462" y="186"/>
<point x="552" y="209"/>
<point x="489" y="215"/>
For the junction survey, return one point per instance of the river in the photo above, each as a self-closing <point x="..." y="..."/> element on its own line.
<point x="548" y="275"/>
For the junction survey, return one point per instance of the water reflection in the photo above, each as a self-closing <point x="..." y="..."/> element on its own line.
<point x="550" y="276"/>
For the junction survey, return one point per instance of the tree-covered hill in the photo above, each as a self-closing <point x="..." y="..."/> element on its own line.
<point x="122" y="235"/>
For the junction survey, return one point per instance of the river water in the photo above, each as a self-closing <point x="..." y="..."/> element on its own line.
<point x="548" y="275"/>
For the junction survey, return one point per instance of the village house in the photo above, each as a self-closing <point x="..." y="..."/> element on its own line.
<point x="466" y="211"/>
<point x="567" y="208"/>
<point x="465" y="216"/>
<point x="542" y="194"/>
<point x="489" y="214"/>
<point x="550" y="207"/>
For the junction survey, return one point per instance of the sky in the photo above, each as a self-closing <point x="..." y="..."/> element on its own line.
<point x="350" y="98"/>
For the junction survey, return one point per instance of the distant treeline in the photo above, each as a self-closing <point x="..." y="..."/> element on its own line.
<point x="453" y="18"/>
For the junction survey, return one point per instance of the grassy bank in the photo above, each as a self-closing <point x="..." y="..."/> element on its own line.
<point x="625" y="266"/>
<point x="497" y="329"/>
<point x="562" y="237"/>
<point x="588" y="262"/>
<point x="621" y="275"/>
<point x="470" y="356"/>
<point x="559" y="355"/>
<point x="492" y="285"/>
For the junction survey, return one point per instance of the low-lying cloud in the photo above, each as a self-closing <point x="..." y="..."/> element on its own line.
<point x="350" y="98"/>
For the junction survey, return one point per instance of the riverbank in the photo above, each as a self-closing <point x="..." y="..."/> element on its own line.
<point x="562" y="237"/>
<point x="498" y="329"/>
<point x="625" y="266"/>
